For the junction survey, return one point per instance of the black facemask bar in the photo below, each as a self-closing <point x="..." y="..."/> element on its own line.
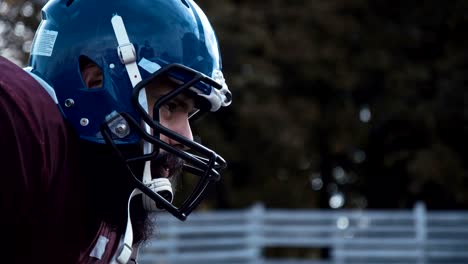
<point x="206" y="164"/>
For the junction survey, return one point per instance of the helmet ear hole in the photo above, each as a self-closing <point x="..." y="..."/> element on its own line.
<point x="91" y="73"/>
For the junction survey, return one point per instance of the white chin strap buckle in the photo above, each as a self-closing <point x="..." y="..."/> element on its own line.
<point x="161" y="186"/>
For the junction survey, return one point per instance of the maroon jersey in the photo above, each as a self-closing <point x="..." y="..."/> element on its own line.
<point x="43" y="206"/>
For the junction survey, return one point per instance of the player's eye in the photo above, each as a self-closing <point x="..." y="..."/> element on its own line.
<point x="171" y="106"/>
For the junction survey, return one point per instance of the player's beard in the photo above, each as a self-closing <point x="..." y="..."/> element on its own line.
<point x="165" y="165"/>
<point x="111" y="185"/>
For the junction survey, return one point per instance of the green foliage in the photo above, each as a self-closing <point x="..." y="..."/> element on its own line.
<point x="374" y="89"/>
<point x="361" y="98"/>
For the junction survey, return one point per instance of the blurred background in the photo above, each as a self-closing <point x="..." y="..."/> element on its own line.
<point x="337" y="103"/>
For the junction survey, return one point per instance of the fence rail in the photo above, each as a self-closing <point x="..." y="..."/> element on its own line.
<point x="346" y="236"/>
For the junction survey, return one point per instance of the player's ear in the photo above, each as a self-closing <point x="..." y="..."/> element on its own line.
<point x="91" y="73"/>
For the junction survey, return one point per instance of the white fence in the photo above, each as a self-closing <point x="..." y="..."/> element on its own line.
<point x="349" y="236"/>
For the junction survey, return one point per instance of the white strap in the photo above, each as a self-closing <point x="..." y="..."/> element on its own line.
<point x="147" y="172"/>
<point x="126" y="251"/>
<point x="100" y="247"/>
<point x="127" y="55"/>
<point x="160" y="186"/>
<point x="126" y="49"/>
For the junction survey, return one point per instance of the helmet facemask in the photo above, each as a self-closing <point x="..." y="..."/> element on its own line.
<point x="197" y="159"/>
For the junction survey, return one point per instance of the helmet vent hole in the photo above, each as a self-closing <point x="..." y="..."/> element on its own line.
<point x="91" y="73"/>
<point x="69" y="2"/>
<point x="185" y="3"/>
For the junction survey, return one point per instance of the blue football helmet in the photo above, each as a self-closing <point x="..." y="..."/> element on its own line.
<point x="133" y="42"/>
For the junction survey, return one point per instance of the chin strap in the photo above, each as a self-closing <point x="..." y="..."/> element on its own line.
<point x="126" y="250"/>
<point x="127" y="55"/>
<point x="162" y="186"/>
